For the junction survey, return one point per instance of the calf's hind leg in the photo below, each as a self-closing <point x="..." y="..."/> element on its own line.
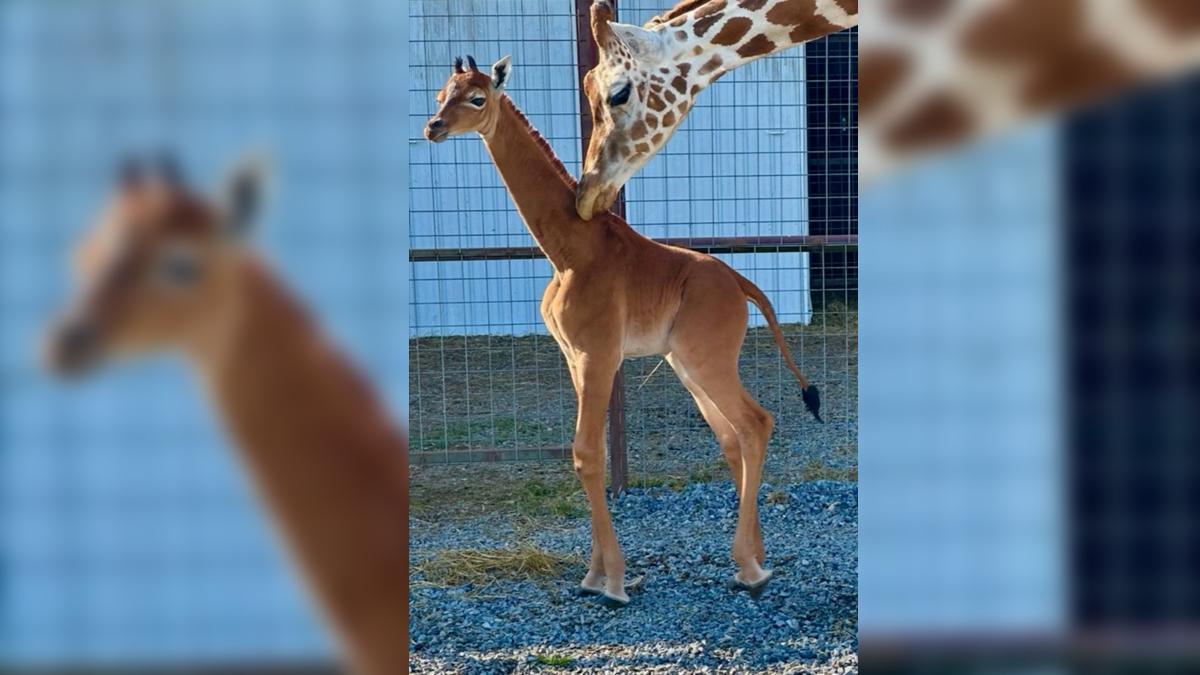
<point x="704" y="344"/>
<point x="731" y="448"/>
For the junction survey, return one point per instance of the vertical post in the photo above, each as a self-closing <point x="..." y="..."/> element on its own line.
<point x="587" y="56"/>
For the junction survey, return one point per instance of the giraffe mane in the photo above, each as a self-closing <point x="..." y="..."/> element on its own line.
<point x="541" y="143"/>
<point x="680" y="8"/>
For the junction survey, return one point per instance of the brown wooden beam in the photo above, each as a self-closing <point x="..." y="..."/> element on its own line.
<point x="587" y="57"/>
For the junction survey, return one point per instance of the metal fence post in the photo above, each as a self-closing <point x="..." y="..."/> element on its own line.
<point x="587" y="58"/>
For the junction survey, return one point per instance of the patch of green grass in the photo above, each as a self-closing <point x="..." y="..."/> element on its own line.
<point x="777" y="497"/>
<point x="818" y="470"/>
<point x="704" y="473"/>
<point x="445" y="492"/>
<point x="554" y="660"/>
<point x="480" y="432"/>
<point x="564" y="498"/>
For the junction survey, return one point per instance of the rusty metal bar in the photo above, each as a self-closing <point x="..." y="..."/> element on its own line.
<point x="587" y="56"/>
<point x="711" y="245"/>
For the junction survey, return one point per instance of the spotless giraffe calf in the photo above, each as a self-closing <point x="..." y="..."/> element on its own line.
<point x="615" y="294"/>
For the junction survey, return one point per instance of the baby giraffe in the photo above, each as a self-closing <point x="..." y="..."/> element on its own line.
<point x="615" y="294"/>
<point x="165" y="268"/>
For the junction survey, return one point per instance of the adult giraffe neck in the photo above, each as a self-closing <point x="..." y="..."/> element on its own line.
<point x="719" y="36"/>
<point x="541" y="187"/>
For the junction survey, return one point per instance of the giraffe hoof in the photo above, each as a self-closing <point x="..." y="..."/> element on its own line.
<point x="614" y="601"/>
<point x="585" y="591"/>
<point x="754" y="590"/>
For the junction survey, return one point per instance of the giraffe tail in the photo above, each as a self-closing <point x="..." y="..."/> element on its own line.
<point x="809" y="393"/>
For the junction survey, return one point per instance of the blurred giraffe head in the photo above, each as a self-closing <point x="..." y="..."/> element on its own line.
<point x="156" y="268"/>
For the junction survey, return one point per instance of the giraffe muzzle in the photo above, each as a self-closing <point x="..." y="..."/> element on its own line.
<point x="73" y="348"/>
<point x="594" y="196"/>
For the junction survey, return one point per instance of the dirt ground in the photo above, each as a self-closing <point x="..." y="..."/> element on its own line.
<point x="510" y="398"/>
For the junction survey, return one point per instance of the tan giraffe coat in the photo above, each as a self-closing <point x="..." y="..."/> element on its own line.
<point x="648" y="78"/>
<point x="614" y="294"/>
<point x="163" y="270"/>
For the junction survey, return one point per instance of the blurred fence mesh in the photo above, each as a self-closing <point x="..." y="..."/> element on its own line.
<point x="770" y="150"/>
<point x="127" y="534"/>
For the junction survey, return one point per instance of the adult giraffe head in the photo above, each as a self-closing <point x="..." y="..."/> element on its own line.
<point x="648" y="77"/>
<point x="155" y="271"/>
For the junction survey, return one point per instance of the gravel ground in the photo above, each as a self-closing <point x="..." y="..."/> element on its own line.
<point x="503" y="397"/>
<point x="683" y="619"/>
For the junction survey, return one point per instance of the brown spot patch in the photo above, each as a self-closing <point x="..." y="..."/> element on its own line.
<point x="918" y="11"/>
<point x="938" y="120"/>
<point x="757" y="46"/>
<point x="808" y="25"/>
<point x="733" y="31"/>
<point x="702" y="25"/>
<point x="1060" y="66"/>
<point x="657" y="139"/>
<point x="668" y="120"/>
<point x="669" y="95"/>
<point x="652" y="121"/>
<point x="880" y="71"/>
<point x="752" y="5"/>
<point x="642" y="148"/>
<point x="684" y="69"/>
<point x="1180" y="17"/>
<point x="680" y="35"/>
<point x="710" y="65"/>
<point x="655" y="102"/>
<point x="680" y="84"/>
<point x="695" y="89"/>
<point x="697" y="50"/>
<point x="638" y="130"/>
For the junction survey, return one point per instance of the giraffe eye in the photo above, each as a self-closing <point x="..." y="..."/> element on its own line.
<point x="178" y="269"/>
<point x="622" y="95"/>
<point x="478" y="101"/>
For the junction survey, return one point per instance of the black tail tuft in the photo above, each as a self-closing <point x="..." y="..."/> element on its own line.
<point x="812" y="401"/>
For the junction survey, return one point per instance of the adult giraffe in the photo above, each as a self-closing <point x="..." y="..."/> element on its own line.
<point x="615" y="294"/>
<point x="165" y="268"/>
<point x="648" y="78"/>
<point x="933" y="73"/>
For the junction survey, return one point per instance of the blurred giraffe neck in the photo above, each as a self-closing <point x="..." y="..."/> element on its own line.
<point x="938" y="73"/>
<point x="325" y="459"/>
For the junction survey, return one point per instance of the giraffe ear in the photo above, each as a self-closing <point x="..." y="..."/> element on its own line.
<point x="500" y="72"/>
<point x="645" y="45"/>
<point x="242" y="194"/>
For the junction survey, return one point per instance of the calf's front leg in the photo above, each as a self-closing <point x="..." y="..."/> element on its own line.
<point x="606" y="574"/>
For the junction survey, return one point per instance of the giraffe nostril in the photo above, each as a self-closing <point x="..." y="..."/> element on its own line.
<point x="73" y="346"/>
<point x="437" y="123"/>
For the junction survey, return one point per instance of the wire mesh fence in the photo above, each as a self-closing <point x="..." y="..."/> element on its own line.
<point x="768" y="152"/>
<point x="127" y="533"/>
